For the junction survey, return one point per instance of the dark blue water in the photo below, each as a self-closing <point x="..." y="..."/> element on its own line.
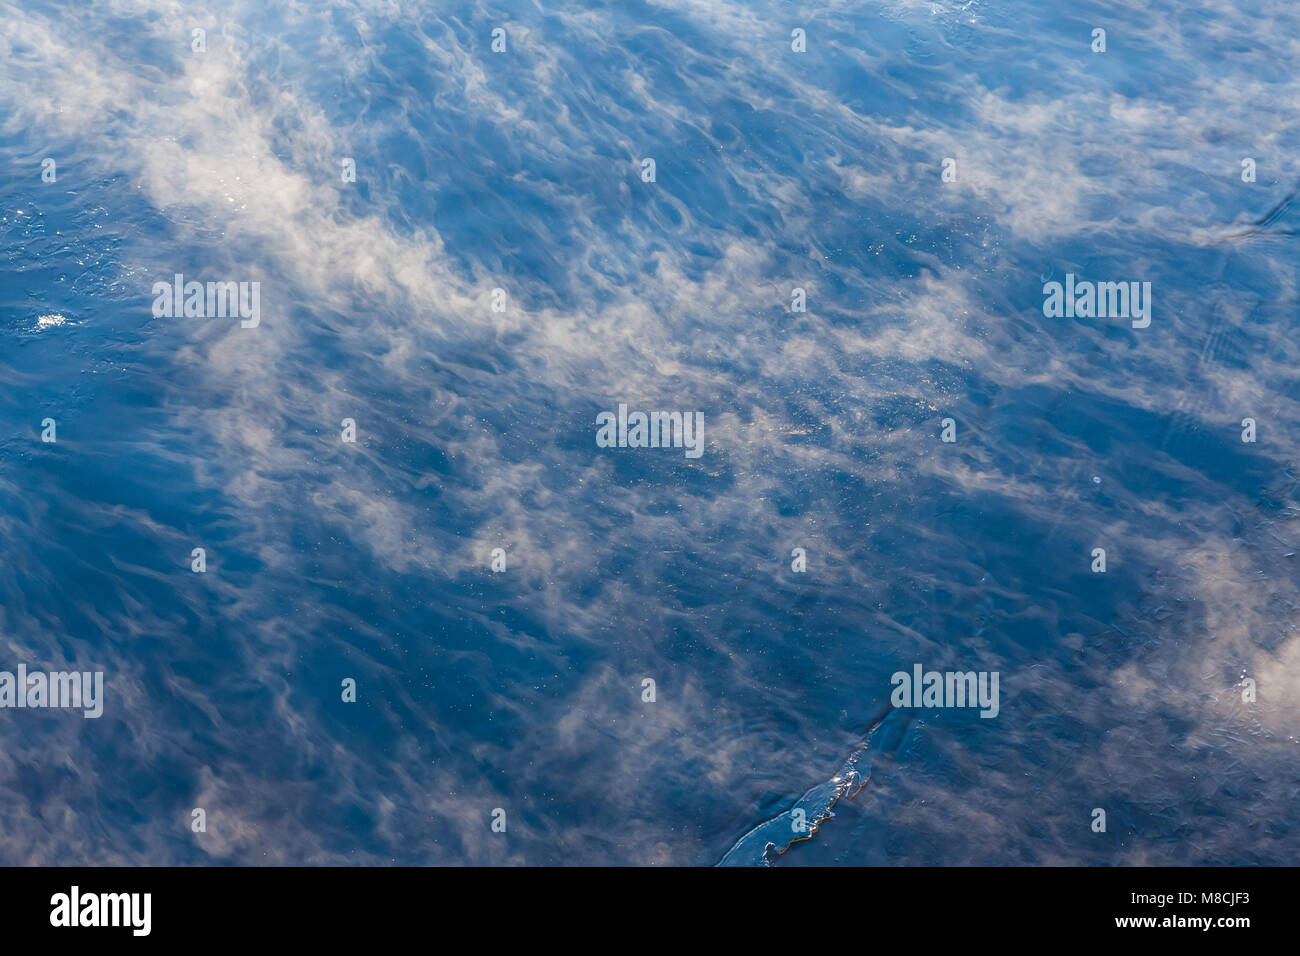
<point x="523" y="690"/>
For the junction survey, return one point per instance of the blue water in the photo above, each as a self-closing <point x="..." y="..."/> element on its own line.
<point x="522" y="690"/>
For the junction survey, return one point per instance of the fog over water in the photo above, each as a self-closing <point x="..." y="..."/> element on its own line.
<point x="822" y="430"/>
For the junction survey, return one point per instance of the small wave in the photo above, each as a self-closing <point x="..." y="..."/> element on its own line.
<point x="761" y="845"/>
<point x="1265" y="224"/>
